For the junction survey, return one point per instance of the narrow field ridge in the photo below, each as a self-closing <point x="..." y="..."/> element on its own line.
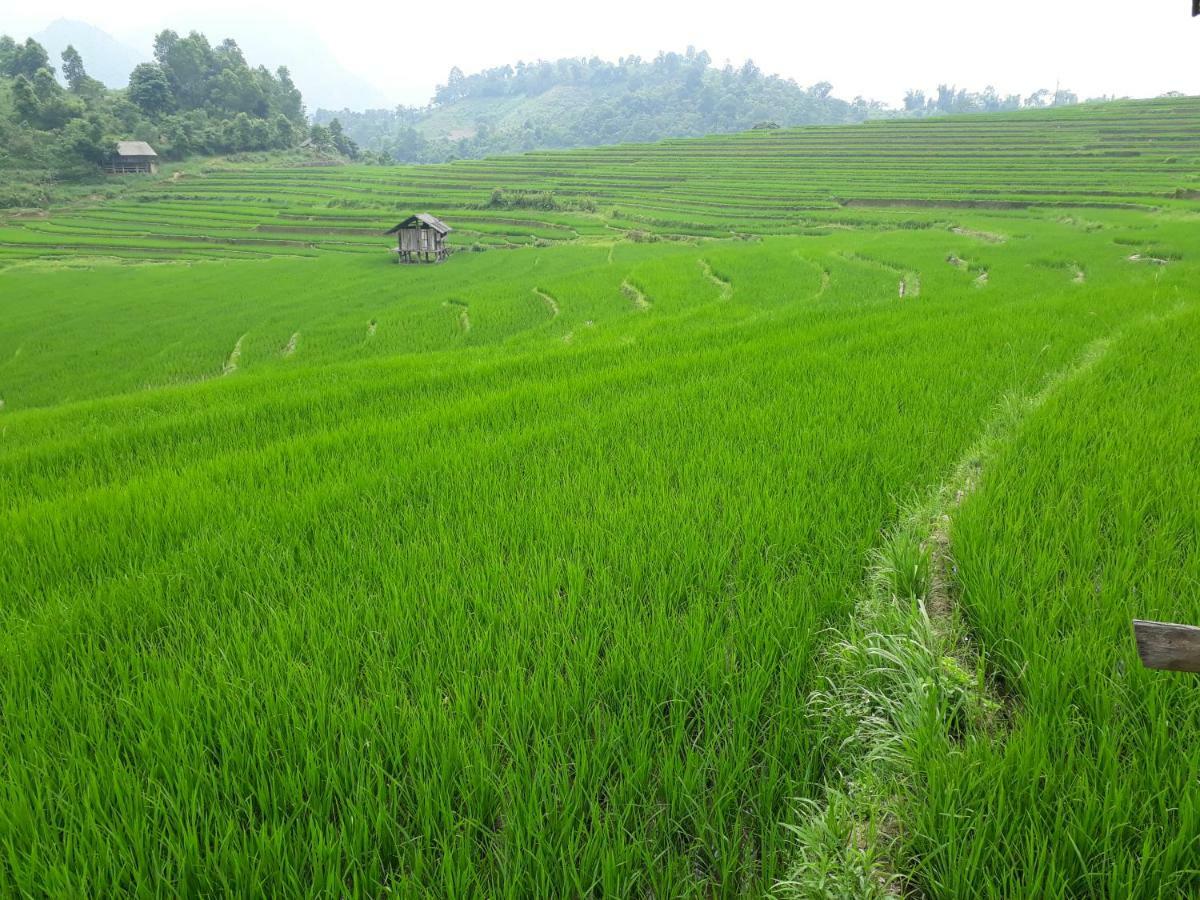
<point x="1156" y="260"/>
<point x="549" y="300"/>
<point x="957" y="262"/>
<point x="638" y="298"/>
<point x="725" y="287"/>
<point x="907" y="650"/>
<point x="235" y="355"/>
<point x="290" y="348"/>
<point x="1079" y="277"/>
<point x="990" y="237"/>
<point x="981" y="279"/>
<point x="570" y="335"/>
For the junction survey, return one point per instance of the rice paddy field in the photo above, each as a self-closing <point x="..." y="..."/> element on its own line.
<point x="755" y="514"/>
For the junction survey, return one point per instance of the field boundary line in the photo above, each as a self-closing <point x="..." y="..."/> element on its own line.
<point x="723" y="284"/>
<point x="235" y="356"/>
<point x="630" y="290"/>
<point x="989" y="237"/>
<point x="548" y="299"/>
<point x="904" y="667"/>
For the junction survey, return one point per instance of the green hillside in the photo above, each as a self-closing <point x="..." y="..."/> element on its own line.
<point x="761" y="512"/>
<point x="589" y="102"/>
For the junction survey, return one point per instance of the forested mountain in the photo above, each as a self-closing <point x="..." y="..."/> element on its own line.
<point x="589" y="102"/>
<point x="193" y="98"/>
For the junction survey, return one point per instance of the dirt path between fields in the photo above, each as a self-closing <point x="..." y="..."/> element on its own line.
<point x="290" y="348"/>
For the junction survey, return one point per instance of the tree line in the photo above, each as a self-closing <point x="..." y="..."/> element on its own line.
<point x="579" y="102"/>
<point x="193" y="98"/>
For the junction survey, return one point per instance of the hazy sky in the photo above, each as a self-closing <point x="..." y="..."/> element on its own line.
<point x="877" y="49"/>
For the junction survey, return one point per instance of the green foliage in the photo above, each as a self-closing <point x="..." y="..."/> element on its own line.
<point x="193" y="99"/>
<point x="150" y="90"/>
<point x="73" y="70"/>
<point x="77" y="78"/>
<point x="521" y="199"/>
<point x="17" y="60"/>
<point x="902" y="564"/>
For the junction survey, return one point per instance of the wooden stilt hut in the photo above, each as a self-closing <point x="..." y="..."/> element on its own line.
<point x="421" y="238"/>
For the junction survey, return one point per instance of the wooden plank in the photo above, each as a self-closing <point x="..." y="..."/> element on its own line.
<point x="1163" y="645"/>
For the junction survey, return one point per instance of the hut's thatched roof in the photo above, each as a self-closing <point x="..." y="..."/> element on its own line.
<point x="134" y="148"/>
<point x="422" y="220"/>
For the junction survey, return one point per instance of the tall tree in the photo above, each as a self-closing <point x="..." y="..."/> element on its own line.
<point x="73" y="70"/>
<point x="291" y="104"/>
<point x="25" y="59"/>
<point x="188" y="64"/>
<point x="150" y="89"/>
<point x="25" y="101"/>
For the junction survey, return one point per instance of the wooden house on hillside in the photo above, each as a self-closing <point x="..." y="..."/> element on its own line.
<point x="133" y="158"/>
<point x="421" y="238"/>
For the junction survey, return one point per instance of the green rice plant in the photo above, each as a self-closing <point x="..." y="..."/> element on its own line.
<point x="901" y="564"/>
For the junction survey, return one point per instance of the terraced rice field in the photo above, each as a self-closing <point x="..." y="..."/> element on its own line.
<point x="767" y="511"/>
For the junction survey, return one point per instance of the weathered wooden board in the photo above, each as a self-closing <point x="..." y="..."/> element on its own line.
<point x="1163" y="645"/>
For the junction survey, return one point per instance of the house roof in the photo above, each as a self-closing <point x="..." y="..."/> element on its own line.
<point x="134" y="148"/>
<point x="425" y="220"/>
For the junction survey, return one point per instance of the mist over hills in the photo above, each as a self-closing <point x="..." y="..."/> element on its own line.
<point x="108" y="59"/>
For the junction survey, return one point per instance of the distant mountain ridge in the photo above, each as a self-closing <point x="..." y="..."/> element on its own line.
<point x="107" y="59"/>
